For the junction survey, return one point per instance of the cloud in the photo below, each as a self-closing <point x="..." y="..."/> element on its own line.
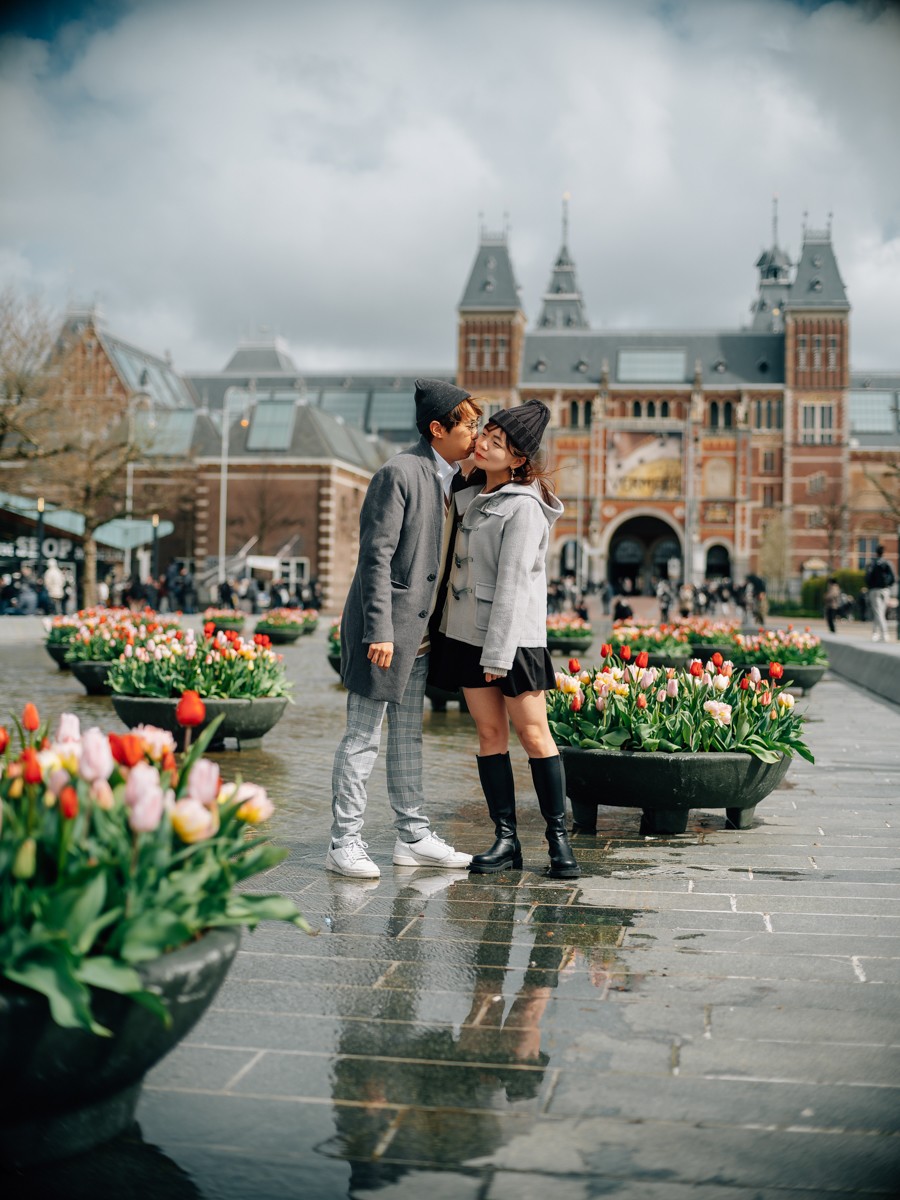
<point x="207" y="168"/>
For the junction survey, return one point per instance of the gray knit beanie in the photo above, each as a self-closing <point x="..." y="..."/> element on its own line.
<point x="435" y="398"/>
<point x="524" y="426"/>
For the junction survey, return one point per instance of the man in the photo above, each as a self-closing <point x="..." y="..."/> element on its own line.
<point x="384" y="643"/>
<point x="879" y="581"/>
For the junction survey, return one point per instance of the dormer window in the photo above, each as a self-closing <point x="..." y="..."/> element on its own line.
<point x="488" y="285"/>
<point x="720" y="365"/>
<point x="581" y="366"/>
<point x="816" y="285"/>
<point x="541" y="365"/>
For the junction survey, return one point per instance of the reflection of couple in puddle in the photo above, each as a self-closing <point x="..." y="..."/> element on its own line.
<point x="438" y="1068"/>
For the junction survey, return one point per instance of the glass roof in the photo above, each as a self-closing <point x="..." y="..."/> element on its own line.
<point x="391" y="410"/>
<point x="349" y="405"/>
<point x="272" y="426"/>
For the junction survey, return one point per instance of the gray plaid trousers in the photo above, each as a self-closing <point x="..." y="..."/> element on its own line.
<point x="356" y="754"/>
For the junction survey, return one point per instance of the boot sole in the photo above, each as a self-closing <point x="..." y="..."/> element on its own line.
<point x="507" y="866"/>
<point x="571" y="873"/>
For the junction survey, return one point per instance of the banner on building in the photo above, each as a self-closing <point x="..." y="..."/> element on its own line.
<point x="644" y="466"/>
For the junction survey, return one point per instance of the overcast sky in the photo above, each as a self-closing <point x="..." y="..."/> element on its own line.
<point x="204" y="169"/>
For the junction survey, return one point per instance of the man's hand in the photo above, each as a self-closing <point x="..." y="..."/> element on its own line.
<point x="381" y="654"/>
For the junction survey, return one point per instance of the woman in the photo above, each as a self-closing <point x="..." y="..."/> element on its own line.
<point x="493" y="629"/>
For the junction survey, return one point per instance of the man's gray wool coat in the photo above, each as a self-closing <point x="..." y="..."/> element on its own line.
<point x="390" y="598"/>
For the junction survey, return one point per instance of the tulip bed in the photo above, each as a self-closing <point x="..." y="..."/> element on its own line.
<point x="568" y="626"/>
<point x="219" y="665"/>
<point x="103" y="637"/>
<point x="787" y="646"/>
<point x="625" y="705"/>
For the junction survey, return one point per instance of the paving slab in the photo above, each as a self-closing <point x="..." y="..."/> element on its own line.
<point x="710" y="1016"/>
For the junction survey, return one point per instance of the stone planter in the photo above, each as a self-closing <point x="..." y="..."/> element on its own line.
<point x="440" y="698"/>
<point x="66" y="1090"/>
<point x="335" y="661"/>
<point x="280" y="635"/>
<point x="58" y="652"/>
<point x="705" y="651"/>
<point x="245" y="720"/>
<point x="92" y="676"/>
<point x="796" y="675"/>
<point x="677" y="659"/>
<point x="666" y="786"/>
<point x="569" y="645"/>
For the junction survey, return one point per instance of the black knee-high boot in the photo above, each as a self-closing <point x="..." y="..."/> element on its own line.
<point x="495" y="773"/>
<point x="550" y="785"/>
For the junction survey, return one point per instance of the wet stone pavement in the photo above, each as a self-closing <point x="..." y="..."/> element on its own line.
<point x="712" y="1015"/>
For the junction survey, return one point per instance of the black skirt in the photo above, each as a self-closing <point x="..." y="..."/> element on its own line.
<point x="454" y="665"/>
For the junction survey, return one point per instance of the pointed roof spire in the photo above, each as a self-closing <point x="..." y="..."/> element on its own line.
<point x="492" y="281"/>
<point x="774" y="267"/>
<point x="563" y="304"/>
<point x="818" y="282"/>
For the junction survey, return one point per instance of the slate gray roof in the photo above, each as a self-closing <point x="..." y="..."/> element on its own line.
<point x="768" y="307"/>
<point x="492" y="281"/>
<point x="376" y="402"/>
<point x="312" y="435"/>
<point x="261" y="357"/>
<point x="738" y="358"/>
<point x="818" y="282"/>
<point x="874" y="407"/>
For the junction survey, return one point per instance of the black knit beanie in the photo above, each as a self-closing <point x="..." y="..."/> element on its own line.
<point x="435" y="398"/>
<point x="524" y="426"/>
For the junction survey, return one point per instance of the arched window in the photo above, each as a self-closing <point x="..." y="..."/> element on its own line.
<point x="573" y="413"/>
<point x="664" y="408"/>
<point x="588" y="413"/>
<point x="714" y="414"/>
<point x="651" y="408"/>
<point x="769" y="413"/>
<point x="636" y="408"/>
<point x="727" y="414"/>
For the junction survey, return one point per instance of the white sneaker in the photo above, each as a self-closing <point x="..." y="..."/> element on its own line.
<point x="429" y="851"/>
<point x="351" y="860"/>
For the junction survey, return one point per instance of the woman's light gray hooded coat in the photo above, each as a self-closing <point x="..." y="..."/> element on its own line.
<point x="497" y="594"/>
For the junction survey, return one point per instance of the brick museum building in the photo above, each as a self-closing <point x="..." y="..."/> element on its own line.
<point x="682" y="453"/>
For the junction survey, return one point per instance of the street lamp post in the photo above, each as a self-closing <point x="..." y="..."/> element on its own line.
<point x="223" y="481"/>
<point x="155" y="557"/>
<point x="40" y="536"/>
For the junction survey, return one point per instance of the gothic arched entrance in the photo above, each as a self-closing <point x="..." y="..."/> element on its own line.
<point x="640" y="550"/>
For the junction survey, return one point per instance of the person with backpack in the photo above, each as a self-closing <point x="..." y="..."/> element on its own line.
<point x="879" y="581"/>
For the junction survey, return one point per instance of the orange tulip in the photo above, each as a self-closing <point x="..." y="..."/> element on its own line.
<point x="30" y="718"/>
<point x="574" y="666"/>
<point x="4" y="738"/>
<point x="642" y="659"/>
<point x="624" y="653"/>
<point x="68" y="802"/>
<point x="127" y="748"/>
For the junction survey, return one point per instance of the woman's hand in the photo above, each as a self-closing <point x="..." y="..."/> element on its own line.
<point x="489" y="678"/>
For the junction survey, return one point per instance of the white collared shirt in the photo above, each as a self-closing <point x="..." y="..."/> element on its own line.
<point x="446" y="471"/>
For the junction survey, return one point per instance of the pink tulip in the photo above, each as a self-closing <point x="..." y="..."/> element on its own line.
<point x="706" y="679"/>
<point x="755" y="675"/>
<point x="672" y="688"/>
<point x="69" y="729"/>
<point x="103" y="794"/>
<point x="144" y="797"/>
<point x="203" y="782"/>
<point x="648" y="678"/>
<point x="96" y="761"/>
<point x="57" y="780"/>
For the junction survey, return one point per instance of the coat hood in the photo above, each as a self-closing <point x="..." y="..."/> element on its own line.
<point x="507" y="498"/>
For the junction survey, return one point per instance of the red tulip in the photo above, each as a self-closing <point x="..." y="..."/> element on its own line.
<point x="717" y="659"/>
<point x="577" y="702"/>
<point x="776" y="670"/>
<point x="624" y="653"/>
<point x="4" y="738"/>
<point x="574" y="666"/>
<point x="642" y="701"/>
<point x="30" y="718"/>
<point x="127" y="748"/>
<point x="209" y="629"/>
<point x="262" y="639"/>
<point x="68" y="802"/>
<point x="31" y="768"/>
<point x="642" y="659"/>
<point x="191" y="710"/>
<point x="745" y="683"/>
<point x="606" y="649"/>
<point x="696" y="668"/>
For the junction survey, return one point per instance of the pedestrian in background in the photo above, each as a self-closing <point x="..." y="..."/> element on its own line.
<point x="879" y="581"/>
<point x="384" y="634"/>
<point x="832" y="602"/>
